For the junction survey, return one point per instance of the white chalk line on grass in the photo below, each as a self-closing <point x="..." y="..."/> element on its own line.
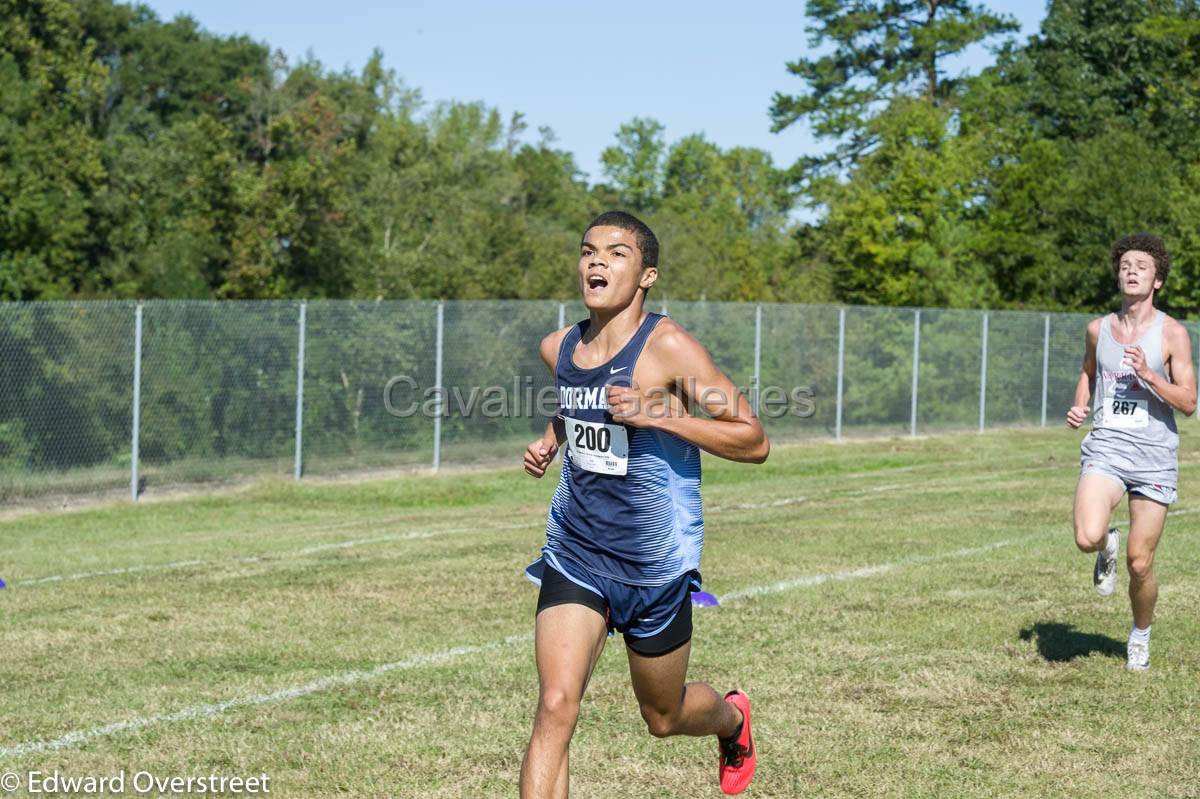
<point x="948" y="482"/>
<point x="383" y="539"/>
<point x="337" y="545"/>
<point x="283" y="695"/>
<point x="196" y="712"/>
<point x="778" y="503"/>
<point x="416" y="535"/>
<point x="299" y="553"/>
<point x="883" y="568"/>
<point x="183" y="564"/>
<point x="869" y="571"/>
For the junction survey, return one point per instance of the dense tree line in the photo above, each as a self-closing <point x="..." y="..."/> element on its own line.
<point x="150" y="158"/>
<point x="1005" y="188"/>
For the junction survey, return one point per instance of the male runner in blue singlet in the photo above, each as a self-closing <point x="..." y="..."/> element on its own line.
<point x="1139" y="360"/>
<point x="625" y="527"/>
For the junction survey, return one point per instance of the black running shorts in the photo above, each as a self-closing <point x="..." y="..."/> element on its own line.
<point x="557" y="589"/>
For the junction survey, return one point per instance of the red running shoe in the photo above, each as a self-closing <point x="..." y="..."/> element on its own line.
<point x="738" y="758"/>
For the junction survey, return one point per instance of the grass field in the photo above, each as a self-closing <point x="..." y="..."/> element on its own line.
<point x="909" y="617"/>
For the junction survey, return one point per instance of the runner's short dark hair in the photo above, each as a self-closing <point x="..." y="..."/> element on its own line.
<point x="647" y="242"/>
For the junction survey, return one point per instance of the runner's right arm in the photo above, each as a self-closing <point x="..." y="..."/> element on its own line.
<point x="1087" y="378"/>
<point x="541" y="451"/>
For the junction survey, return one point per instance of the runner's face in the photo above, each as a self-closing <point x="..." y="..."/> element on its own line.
<point x="1136" y="274"/>
<point x="610" y="268"/>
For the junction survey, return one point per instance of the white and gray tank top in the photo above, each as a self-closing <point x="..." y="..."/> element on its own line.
<point x="1126" y="414"/>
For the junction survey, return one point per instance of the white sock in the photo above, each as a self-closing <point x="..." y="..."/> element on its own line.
<point x="1110" y="546"/>
<point x="1139" y="636"/>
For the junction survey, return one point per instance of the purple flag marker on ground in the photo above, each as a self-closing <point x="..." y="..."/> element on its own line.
<point x="1" y="582"/>
<point x="703" y="599"/>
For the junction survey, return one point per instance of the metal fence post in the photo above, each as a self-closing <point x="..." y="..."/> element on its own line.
<point x="437" y="387"/>
<point x="756" y="388"/>
<point x="1045" y="367"/>
<point x="916" y="358"/>
<point x="983" y="375"/>
<point x="841" y="367"/>
<point x="562" y="315"/>
<point x="300" y="391"/>
<point x="137" y="401"/>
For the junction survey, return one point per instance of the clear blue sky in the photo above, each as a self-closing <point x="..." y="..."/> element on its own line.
<point x="582" y="70"/>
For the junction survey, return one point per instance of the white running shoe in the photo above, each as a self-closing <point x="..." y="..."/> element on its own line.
<point x="1137" y="656"/>
<point x="1104" y="576"/>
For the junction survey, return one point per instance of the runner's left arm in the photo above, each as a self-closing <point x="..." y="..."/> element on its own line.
<point x="1180" y="391"/>
<point x="679" y="361"/>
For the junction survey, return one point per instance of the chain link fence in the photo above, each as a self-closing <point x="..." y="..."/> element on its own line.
<point x="99" y="397"/>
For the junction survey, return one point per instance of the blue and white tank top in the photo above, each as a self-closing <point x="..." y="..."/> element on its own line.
<point x="627" y="505"/>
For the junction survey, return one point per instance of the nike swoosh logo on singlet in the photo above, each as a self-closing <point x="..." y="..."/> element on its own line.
<point x="612" y="370"/>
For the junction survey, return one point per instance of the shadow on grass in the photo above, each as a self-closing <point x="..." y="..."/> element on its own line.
<point x="1060" y="643"/>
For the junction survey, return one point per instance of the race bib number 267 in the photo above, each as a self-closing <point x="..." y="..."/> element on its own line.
<point x="1125" y="413"/>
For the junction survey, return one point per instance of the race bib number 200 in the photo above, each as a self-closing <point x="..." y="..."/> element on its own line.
<point x="598" y="447"/>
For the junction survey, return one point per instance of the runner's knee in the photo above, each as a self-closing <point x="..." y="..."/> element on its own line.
<point x="1140" y="567"/>
<point x="659" y="724"/>
<point x="1088" y="539"/>
<point x="558" y="707"/>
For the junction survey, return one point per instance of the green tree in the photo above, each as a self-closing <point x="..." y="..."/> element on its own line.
<point x="165" y="72"/>
<point x="295" y="233"/>
<point x="554" y="203"/>
<point x="175" y="127"/>
<point x="898" y="194"/>
<point x="722" y="221"/>
<point x="169" y="211"/>
<point x="1095" y="62"/>
<point x="143" y="158"/>
<point x="898" y="229"/>
<point x="1089" y="126"/>
<point x="635" y="163"/>
<point x="51" y="90"/>
<point x="881" y="50"/>
<point x="1053" y="214"/>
